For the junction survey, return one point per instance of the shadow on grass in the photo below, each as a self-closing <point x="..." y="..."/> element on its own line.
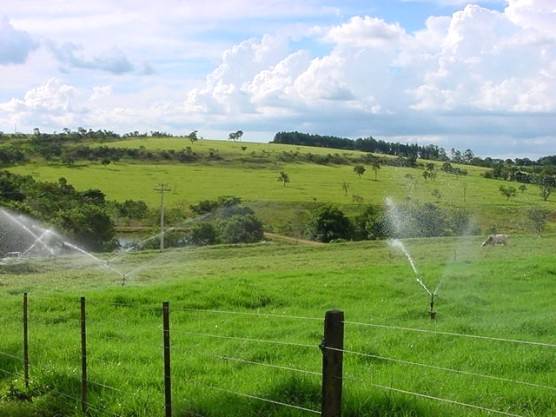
<point x="307" y="394"/>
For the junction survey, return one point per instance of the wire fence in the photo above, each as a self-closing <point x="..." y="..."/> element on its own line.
<point x="331" y="352"/>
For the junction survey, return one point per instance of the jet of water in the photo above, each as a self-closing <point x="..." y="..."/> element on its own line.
<point x="93" y="257"/>
<point x="27" y="230"/>
<point x="398" y="244"/>
<point x="36" y="242"/>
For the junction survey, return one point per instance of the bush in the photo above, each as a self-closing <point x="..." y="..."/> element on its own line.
<point x="203" y="234"/>
<point x="370" y="225"/>
<point x="538" y="218"/>
<point x="329" y="223"/>
<point x="241" y="229"/>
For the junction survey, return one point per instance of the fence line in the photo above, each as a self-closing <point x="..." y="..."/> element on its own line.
<point x="445" y="400"/>
<point x="267" y="400"/>
<point x="6" y="372"/>
<point x="441" y="368"/>
<point x="246" y="313"/>
<point x="248" y="339"/>
<point x="268" y="365"/>
<point x="444" y="333"/>
<point x="9" y="355"/>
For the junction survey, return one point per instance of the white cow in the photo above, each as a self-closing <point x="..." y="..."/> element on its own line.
<point x="494" y="240"/>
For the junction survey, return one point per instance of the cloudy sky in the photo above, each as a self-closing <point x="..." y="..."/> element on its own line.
<point x="476" y="74"/>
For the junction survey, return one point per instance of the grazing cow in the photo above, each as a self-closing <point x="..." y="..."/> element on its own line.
<point x="494" y="240"/>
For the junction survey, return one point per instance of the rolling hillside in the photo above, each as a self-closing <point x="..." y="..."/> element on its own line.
<point x="250" y="170"/>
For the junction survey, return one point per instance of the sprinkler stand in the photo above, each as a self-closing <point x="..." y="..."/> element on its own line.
<point x="431" y="311"/>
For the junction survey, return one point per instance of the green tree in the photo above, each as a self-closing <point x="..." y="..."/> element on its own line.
<point x="203" y="234"/>
<point x="346" y="187"/>
<point x="359" y="170"/>
<point x="538" y="218"/>
<point x="235" y="135"/>
<point x="546" y="185"/>
<point x="193" y="136"/>
<point x="507" y="192"/>
<point x="522" y="188"/>
<point x="241" y="229"/>
<point x="284" y="178"/>
<point x="370" y="224"/>
<point x="329" y="223"/>
<point x="376" y="167"/>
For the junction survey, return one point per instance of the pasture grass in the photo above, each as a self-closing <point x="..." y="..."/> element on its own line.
<point x="311" y="184"/>
<point x="502" y="292"/>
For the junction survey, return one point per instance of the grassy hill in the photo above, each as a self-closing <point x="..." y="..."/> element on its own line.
<point x="499" y="292"/>
<point x="251" y="173"/>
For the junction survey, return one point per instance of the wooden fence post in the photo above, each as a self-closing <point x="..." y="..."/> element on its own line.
<point x="84" y="381"/>
<point x="167" y="368"/>
<point x="332" y="363"/>
<point x="26" y="339"/>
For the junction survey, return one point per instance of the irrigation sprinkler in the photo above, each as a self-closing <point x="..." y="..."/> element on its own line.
<point x="431" y="311"/>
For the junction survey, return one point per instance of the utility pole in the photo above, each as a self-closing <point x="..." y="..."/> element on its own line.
<point x="162" y="188"/>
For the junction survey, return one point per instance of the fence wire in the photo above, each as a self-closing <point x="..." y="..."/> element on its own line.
<point x="445" y="400"/>
<point x="443" y="333"/>
<point x="247" y="313"/>
<point x="248" y="339"/>
<point x="9" y="355"/>
<point x="266" y="400"/>
<point x="445" y="369"/>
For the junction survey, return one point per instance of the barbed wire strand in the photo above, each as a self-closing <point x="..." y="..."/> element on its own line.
<point x="443" y="333"/>
<point x="6" y="372"/>
<point x="268" y="365"/>
<point x="441" y="368"/>
<point x="246" y="313"/>
<point x="248" y="339"/>
<point x="446" y="400"/>
<point x="9" y="355"/>
<point x="267" y="400"/>
<point x="108" y="387"/>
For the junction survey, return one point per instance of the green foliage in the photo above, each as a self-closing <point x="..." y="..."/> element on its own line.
<point x="359" y="170"/>
<point x="235" y="135"/>
<point x="203" y="234"/>
<point x="132" y="209"/>
<point x="90" y="225"/>
<point x="329" y="223"/>
<point x="370" y="225"/>
<point x="82" y="215"/>
<point x="240" y="229"/>
<point x="508" y="191"/>
<point x="284" y="178"/>
<point x="538" y="218"/>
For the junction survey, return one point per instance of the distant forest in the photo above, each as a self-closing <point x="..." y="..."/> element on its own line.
<point x="407" y="150"/>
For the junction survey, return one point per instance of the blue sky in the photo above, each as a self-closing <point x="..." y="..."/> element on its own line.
<point x="479" y="75"/>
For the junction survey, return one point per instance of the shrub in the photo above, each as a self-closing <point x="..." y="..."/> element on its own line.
<point x="329" y="223"/>
<point x="241" y="229"/>
<point x="370" y="224"/>
<point x="203" y="234"/>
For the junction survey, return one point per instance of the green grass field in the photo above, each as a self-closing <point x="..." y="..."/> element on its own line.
<point x="310" y="183"/>
<point x="501" y="292"/>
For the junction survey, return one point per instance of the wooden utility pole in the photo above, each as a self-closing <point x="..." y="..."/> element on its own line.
<point x="162" y="188"/>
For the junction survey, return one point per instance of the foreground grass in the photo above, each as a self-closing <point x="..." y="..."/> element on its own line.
<point x="503" y="292"/>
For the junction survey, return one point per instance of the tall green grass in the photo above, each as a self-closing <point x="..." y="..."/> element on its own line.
<point x="503" y="292"/>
